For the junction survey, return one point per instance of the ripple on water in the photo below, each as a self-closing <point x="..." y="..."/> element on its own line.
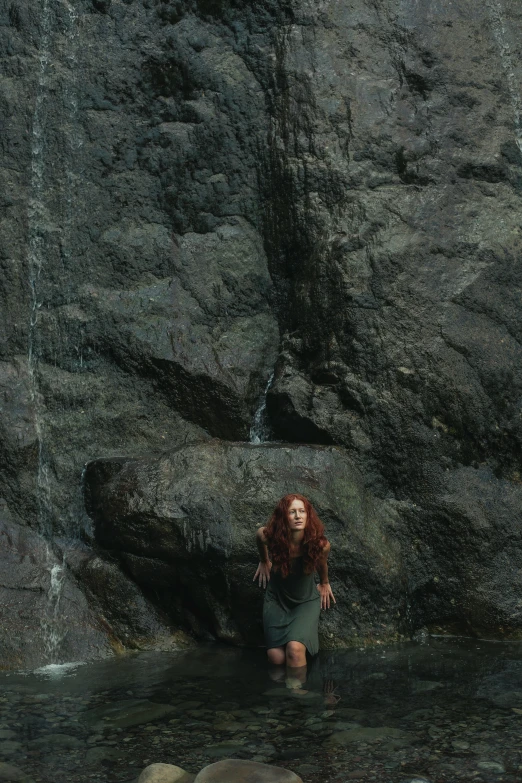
<point x="55" y="671"/>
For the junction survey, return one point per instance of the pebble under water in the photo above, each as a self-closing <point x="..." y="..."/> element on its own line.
<point x="443" y="710"/>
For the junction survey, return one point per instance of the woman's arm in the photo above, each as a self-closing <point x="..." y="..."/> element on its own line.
<point x="263" y="569"/>
<point x="325" y="591"/>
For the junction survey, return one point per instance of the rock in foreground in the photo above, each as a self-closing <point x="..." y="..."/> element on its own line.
<point x="239" y="771"/>
<point x="165" y="773"/>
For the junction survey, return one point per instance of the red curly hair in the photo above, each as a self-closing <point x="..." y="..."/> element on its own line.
<point x="278" y="536"/>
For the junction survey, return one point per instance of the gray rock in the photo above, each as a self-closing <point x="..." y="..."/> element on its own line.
<point x="165" y="773"/>
<point x="133" y="619"/>
<point x="6" y="734"/>
<point x="245" y="772"/>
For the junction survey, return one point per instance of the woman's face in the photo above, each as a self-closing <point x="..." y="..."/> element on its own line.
<point x="296" y="515"/>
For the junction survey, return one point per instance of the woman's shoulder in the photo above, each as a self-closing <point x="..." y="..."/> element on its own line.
<point x="326" y="546"/>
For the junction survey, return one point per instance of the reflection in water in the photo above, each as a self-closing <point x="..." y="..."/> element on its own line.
<point x="447" y="710"/>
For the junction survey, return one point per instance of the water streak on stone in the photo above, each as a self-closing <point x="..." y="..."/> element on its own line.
<point x="52" y="625"/>
<point x="260" y="429"/>
<point x="40" y="224"/>
<point x="73" y="143"/>
<point x="508" y="62"/>
<point x="36" y="257"/>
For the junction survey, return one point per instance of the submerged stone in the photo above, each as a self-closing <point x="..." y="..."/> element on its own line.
<point x="126" y="713"/>
<point x="11" y="774"/>
<point x="10" y="748"/>
<point x="218" y="751"/>
<point x="278" y="693"/>
<point x="231" y="726"/>
<point x="421" y="686"/>
<point x="103" y="753"/>
<point x="365" y="734"/>
<point x="416" y="779"/>
<point x="341" y="725"/>
<point x="54" y="741"/>
<point x="491" y="766"/>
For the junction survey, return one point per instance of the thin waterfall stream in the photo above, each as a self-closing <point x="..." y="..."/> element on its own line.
<point x="38" y="223"/>
<point x="47" y="232"/>
<point x="507" y="58"/>
<point x="260" y="429"/>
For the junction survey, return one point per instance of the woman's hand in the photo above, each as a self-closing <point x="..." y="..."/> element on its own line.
<point x="263" y="572"/>
<point x="325" y="591"/>
<point x="330" y="696"/>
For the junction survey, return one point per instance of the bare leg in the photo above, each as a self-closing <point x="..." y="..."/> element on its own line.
<point x="295" y="666"/>
<point x="276" y="655"/>
<point x="295" y="655"/>
<point x="277" y="673"/>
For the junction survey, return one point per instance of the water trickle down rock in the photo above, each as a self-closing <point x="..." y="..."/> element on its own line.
<point x="260" y="429"/>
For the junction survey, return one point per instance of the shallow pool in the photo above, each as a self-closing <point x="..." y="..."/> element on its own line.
<point x="445" y="709"/>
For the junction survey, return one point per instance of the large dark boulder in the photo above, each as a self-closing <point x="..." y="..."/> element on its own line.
<point x="65" y="603"/>
<point x="183" y="526"/>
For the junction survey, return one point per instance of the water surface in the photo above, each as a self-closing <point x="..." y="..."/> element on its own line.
<point x="449" y="710"/>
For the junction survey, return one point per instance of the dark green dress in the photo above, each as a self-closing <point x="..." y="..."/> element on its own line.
<point x="291" y="609"/>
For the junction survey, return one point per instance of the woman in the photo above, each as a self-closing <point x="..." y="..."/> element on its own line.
<point x="295" y="539"/>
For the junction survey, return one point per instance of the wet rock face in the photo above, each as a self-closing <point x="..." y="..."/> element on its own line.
<point x="197" y="192"/>
<point x="42" y="608"/>
<point x="64" y="603"/>
<point x="137" y="295"/>
<point x="400" y="341"/>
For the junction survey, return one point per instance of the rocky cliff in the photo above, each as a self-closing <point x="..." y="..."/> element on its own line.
<point x="199" y="193"/>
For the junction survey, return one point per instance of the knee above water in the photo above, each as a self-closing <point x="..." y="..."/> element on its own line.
<point x="295" y="651"/>
<point x="276" y="657"/>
